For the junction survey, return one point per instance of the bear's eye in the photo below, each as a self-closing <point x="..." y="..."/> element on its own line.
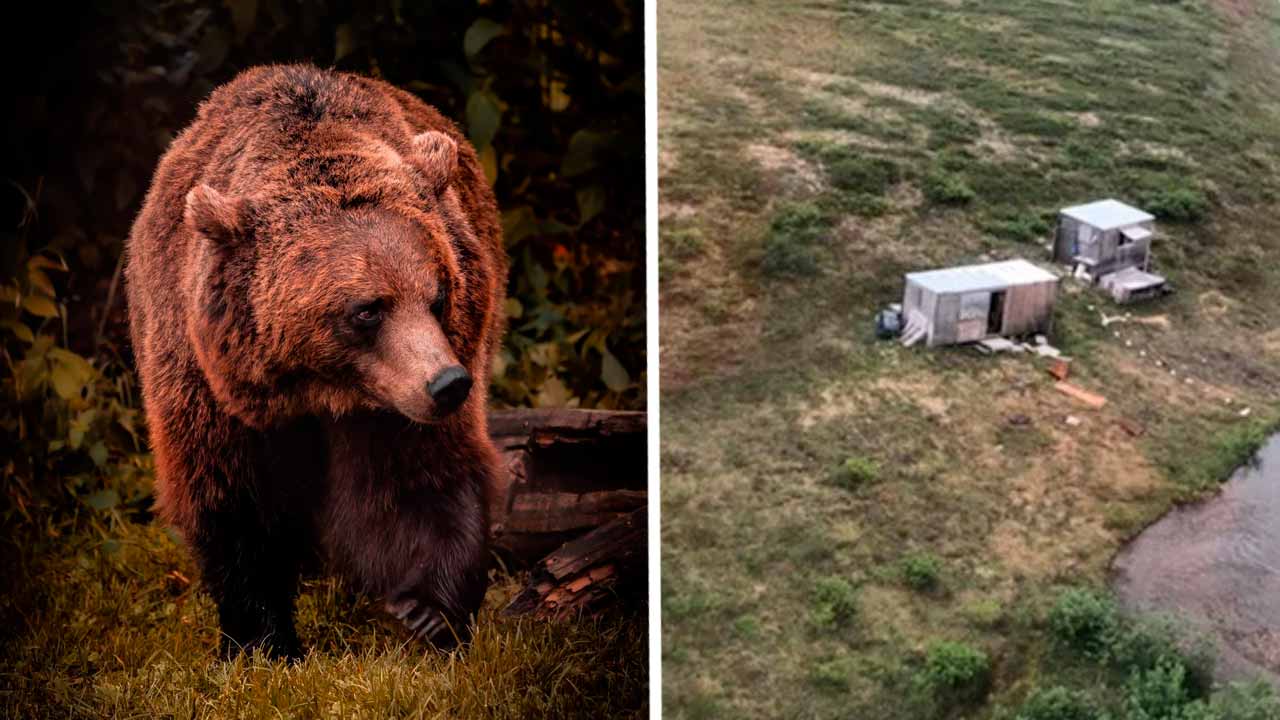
<point x="368" y="315"/>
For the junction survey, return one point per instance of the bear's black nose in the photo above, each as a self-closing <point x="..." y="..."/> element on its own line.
<point x="449" y="389"/>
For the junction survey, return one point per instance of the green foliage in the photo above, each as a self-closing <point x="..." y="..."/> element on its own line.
<point x="956" y="672"/>
<point x="833" y="604"/>
<point x="70" y="424"/>
<point x="945" y="188"/>
<point x="1140" y="644"/>
<point x="950" y="127"/>
<point x="832" y="675"/>
<point x="683" y="243"/>
<point x="1157" y="694"/>
<point x="1246" y="701"/>
<point x="1227" y="450"/>
<point x="1028" y="122"/>
<point x="789" y="248"/>
<point x="1020" y="227"/>
<point x="746" y="627"/>
<point x="862" y="174"/>
<point x="854" y="472"/>
<point x="921" y="571"/>
<point x="1176" y="204"/>
<point x="1084" y="621"/>
<point x="1058" y="703"/>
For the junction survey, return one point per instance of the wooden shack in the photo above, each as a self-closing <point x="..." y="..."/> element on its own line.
<point x="975" y="302"/>
<point x="1108" y="243"/>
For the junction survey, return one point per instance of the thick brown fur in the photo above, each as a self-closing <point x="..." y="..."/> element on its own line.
<point x="280" y="426"/>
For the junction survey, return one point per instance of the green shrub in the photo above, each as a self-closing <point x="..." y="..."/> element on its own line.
<point x="944" y="188"/>
<point x="1246" y="701"/>
<point x="1142" y="644"/>
<point x="1157" y="694"/>
<point x="834" y="603"/>
<point x="1058" y="703"/>
<point x="854" y="473"/>
<point x="957" y="672"/>
<point x="683" y="243"/>
<point x="794" y="231"/>
<point x="921" y="571"/>
<point x="984" y="612"/>
<point x="949" y="127"/>
<point x="1177" y="204"/>
<point x="1017" y="227"/>
<point x="746" y="627"/>
<point x="1028" y="122"/>
<point x="1084" y="621"/>
<point x="832" y="675"/>
<point x="862" y="174"/>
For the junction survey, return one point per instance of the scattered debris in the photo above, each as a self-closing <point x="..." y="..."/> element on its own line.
<point x="1093" y="400"/>
<point x="1131" y="427"/>
<point x="1060" y="368"/>
<point x="1245" y="412"/>
<point x="1019" y="420"/>
<point x="997" y="345"/>
<point x="1074" y="421"/>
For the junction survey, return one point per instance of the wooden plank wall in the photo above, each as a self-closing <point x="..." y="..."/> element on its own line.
<point x="1029" y="308"/>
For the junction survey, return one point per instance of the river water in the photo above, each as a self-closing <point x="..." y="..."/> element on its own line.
<point x="1216" y="566"/>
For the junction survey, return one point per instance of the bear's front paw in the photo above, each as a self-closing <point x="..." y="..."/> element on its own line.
<point x="426" y="622"/>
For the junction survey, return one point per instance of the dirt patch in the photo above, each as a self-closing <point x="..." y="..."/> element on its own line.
<point x="1155" y="150"/>
<point x="895" y="92"/>
<point x="1237" y="10"/>
<point x="837" y="137"/>
<point x="1085" y="119"/>
<point x="786" y="172"/>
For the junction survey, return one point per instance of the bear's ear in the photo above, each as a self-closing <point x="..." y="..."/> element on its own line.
<point x="436" y="155"/>
<point x="215" y="215"/>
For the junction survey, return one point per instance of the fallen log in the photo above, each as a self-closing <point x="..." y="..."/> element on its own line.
<point x="609" y="563"/>
<point x="567" y="472"/>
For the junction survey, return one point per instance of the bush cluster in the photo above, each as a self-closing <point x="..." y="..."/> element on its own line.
<point x="854" y="473"/>
<point x="794" y="233"/>
<point x="956" y="672"/>
<point x="921" y="571"/>
<point x="834" y="603"/>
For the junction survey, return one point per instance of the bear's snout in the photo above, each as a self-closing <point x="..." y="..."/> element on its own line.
<point x="449" y="389"/>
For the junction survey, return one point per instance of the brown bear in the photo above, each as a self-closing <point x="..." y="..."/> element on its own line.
<point x="315" y="289"/>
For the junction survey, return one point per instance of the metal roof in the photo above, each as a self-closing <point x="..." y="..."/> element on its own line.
<point x="1107" y="214"/>
<point x="1136" y="233"/>
<point x="988" y="276"/>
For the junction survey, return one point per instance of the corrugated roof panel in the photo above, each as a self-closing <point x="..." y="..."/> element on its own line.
<point x="1108" y="214"/>
<point x="967" y="278"/>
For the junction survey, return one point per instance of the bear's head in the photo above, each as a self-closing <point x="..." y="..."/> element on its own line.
<point x="342" y="278"/>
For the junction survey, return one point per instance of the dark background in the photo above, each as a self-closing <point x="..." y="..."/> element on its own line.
<point x="550" y="93"/>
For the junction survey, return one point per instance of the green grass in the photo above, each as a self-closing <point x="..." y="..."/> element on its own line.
<point x="107" y="624"/>
<point x="993" y="116"/>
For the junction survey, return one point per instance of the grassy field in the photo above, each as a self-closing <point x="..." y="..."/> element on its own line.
<point x="101" y="619"/>
<point x="843" y="519"/>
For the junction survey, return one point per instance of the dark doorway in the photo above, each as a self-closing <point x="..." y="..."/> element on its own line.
<point x="995" y="316"/>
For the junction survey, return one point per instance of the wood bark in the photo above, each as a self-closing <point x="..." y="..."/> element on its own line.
<point x="571" y="506"/>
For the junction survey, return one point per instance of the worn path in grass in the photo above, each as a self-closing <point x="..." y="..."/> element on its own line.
<point x="101" y="620"/>
<point x="810" y="153"/>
